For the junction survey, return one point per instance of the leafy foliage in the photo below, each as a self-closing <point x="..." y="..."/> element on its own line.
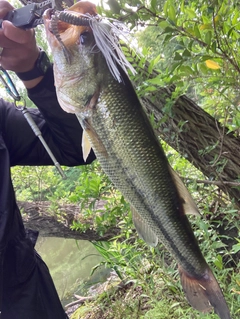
<point x="195" y="45"/>
<point x="85" y="186"/>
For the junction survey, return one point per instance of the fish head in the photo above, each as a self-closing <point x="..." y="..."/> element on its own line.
<point x="78" y="64"/>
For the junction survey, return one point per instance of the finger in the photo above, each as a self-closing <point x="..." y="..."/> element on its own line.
<point x="5" y="7"/>
<point x="16" y="34"/>
<point x="5" y="42"/>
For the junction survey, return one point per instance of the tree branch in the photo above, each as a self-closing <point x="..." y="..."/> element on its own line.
<point x="38" y="216"/>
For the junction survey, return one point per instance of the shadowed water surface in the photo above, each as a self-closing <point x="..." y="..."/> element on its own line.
<point x="70" y="263"/>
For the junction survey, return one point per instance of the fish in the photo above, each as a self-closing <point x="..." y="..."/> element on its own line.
<point x="92" y="82"/>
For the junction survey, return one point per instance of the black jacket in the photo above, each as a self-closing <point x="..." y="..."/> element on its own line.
<point x="25" y="284"/>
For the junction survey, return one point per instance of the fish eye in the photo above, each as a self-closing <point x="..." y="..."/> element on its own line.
<point x="85" y="38"/>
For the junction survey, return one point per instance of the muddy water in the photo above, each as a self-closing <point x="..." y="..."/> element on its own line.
<point x="70" y="263"/>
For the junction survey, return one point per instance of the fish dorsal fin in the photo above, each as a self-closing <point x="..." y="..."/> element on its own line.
<point x="86" y="146"/>
<point x="189" y="205"/>
<point x="143" y="230"/>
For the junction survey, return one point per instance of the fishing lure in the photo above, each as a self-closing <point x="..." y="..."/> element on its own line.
<point x="106" y="35"/>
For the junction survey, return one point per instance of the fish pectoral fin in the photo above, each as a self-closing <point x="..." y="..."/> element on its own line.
<point x="89" y="139"/>
<point x="86" y="146"/>
<point x="189" y="205"/>
<point x="143" y="230"/>
<point x="204" y="293"/>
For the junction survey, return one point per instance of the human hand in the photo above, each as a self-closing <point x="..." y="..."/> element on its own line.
<point x="20" y="50"/>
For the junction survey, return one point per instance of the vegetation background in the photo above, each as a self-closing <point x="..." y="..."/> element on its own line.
<point x="190" y="49"/>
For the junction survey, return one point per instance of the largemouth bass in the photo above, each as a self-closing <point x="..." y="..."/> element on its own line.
<point x="100" y="93"/>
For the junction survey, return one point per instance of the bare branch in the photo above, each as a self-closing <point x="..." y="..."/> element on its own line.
<point x="38" y="216"/>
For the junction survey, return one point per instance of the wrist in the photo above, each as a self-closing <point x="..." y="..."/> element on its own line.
<point x="38" y="70"/>
<point x="45" y="85"/>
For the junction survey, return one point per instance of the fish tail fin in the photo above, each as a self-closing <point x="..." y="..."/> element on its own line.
<point x="204" y="293"/>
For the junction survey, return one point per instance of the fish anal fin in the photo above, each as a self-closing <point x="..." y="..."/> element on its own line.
<point x="204" y="293"/>
<point x="143" y="230"/>
<point x="189" y="205"/>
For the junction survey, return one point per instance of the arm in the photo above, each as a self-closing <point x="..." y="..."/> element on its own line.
<point x="61" y="131"/>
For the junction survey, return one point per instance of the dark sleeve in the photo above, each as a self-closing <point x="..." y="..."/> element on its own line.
<point x="61" y="130"/>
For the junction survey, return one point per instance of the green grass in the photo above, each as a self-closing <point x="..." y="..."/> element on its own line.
<point x="153" y="289"/>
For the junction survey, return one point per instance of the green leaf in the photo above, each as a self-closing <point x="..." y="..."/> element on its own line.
<point x="150" y="88"/>
<point x="206" y="26"/>
<point x="205" y="19"/>
<point x="187" y="70"/>
<point x="165" y="8"/>
<point x="230" y="31"/>
<point x="168" y="30"/>
<point x="167" y="38"/>
<point x="174" y="66"/>
<point x="218" y="262"/>
<point x="214" y="46"/>
<point x="236" y="248"/>
<point x="177" y="57"/>
<point x="186" y="53"/>
<point x="208" y="37"/>
<point x="190" y="12"/>
<point x="157" y="80"/>
<point x="164" y="24"/>
<point x="153" y="5"/>
<point x="156" y="60"/>
<point x="235" y="18"/>
<point x="225" y="28"/>
<point x="190" y="45"/>
<point x="172" y="13"/>
<point x="197" y="32"/>
<point x="204" y="57"/>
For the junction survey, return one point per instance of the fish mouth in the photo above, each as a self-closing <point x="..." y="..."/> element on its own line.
<point x="65" y="28"/>
<point x="60" y="35"/>
<point x="47" y="18"/>
<point x="47" y="15"/>
<point x="59" y="27"/>
<point x="73" y="17"/>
